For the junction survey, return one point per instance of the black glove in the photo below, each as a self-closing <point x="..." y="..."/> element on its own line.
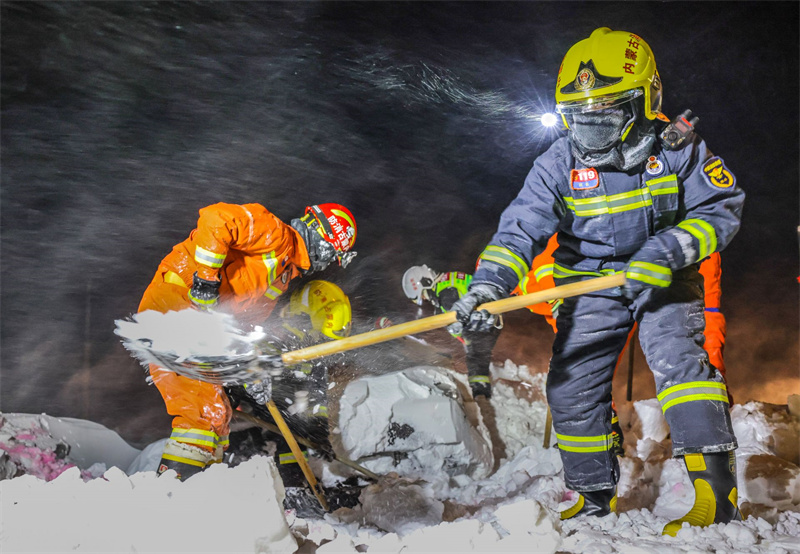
<point x="647" y="268"/>
<point x="468" y="318"/>
<point x="260" y="392"/>
<point x="204" y="294"/>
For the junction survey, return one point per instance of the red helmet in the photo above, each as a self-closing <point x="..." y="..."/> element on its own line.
<point x="338" y="227"/>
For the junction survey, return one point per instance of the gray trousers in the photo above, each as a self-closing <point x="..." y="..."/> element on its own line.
<point x="592" y="330"/>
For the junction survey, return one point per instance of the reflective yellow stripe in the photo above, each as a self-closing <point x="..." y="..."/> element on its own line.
<point x="273" y="293"/>
<point x="289" y="458"/>
<point x="647" y="272"/>
<point x="505" y="257"/>
<point x="704" y="233"/>
<point x="272" y="263"/>
<point x="199" y="437"/>
<point x="694" y="391"/>
<point x="596" y="443"/>
<point x="479" y="379"/>
<point x="523" y="286"/>
<point x="174" y="279"/>
<point x="663" y="185"/>
<point x="188" y="461"/>
<point x="615" y="203"/>
<point x="562" y="272"/>
<point x="208" y="258"/>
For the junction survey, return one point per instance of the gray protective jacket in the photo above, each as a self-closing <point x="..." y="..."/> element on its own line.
<point x="688" y="197"/>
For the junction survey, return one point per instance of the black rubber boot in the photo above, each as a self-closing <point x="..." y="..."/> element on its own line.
<point x="184" y="470"/>
<point x="185" y="459"/>
<point x="595" y="503"/>
<point x="714" y="480"/>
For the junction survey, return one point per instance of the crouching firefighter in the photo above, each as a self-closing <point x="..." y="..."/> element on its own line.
<point x="319" y="311"/>
<point x="238" y="260"/>
<point x="420" y="284"/>
<point x="627" y="191"/>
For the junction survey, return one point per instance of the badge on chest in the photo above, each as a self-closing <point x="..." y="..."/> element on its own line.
<point x="584" y="179"/>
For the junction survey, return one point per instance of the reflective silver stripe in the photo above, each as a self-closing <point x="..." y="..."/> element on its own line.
<point x="596" y="443"/>
<point x="704" y="233"/>
<point x="199" y="437"/>
<point x="543" y="271"/>
<point x="272" y="263"/>
<point x="479" y="379"/>
<point x="653" y="274"/>
<point x="505" y="257"/>
<point x="208" y="258"/>
<point x="694" y="391"/>
<point x="273" y="293"/>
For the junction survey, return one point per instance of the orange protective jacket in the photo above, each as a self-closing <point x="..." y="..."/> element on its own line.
<point x="256" y="256"/>
<point x="540" y="277"/>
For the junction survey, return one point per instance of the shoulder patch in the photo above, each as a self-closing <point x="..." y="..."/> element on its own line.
<point x="584" y="179"/>
<point x="717" y="174"/>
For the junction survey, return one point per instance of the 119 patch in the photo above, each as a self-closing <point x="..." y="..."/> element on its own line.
<point x="717" y="174"/>
<point x="584" y="179"/>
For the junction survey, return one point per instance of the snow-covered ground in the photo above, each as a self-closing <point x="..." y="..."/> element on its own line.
<point x="64" y="498"/>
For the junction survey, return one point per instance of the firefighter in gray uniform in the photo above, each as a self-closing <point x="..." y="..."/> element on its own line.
<point x="626" y="191"/>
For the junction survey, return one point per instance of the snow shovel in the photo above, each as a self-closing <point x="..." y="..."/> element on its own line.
<point x="443" y="320"/>
<point x="250" y="365"/>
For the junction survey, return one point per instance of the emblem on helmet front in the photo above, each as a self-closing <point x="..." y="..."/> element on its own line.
<point x="585" y="79"/>
<point x="588" y="78"/>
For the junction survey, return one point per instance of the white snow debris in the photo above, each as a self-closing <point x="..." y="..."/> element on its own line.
<point x="445" y="503"/>
<point x="413" y="423"/>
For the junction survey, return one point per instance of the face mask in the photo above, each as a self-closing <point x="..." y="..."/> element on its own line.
<point x="599" y="130"/>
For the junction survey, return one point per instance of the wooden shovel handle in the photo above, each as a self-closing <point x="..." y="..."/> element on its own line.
<point x="445" y="319"/>
<point x="297" y="453"/>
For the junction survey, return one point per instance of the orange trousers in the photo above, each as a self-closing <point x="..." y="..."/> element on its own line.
<point x="195" y="404"/>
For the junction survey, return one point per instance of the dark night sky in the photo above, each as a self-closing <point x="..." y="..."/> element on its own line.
<point x="121" y="119"/>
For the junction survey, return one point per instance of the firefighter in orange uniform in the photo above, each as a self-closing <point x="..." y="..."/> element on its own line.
<point x="238" y="260"/>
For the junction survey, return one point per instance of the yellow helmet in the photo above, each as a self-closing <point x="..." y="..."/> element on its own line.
<point x="326" y="305"/>
<point x="605" y="70"/>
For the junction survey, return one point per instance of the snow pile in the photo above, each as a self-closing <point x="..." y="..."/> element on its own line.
<point x="220" y="510"/>
<point x="187" y="333"/>
<point x="415" y="423"/>
<point x="519" y="406"/>
<point x="513" y="510"/>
